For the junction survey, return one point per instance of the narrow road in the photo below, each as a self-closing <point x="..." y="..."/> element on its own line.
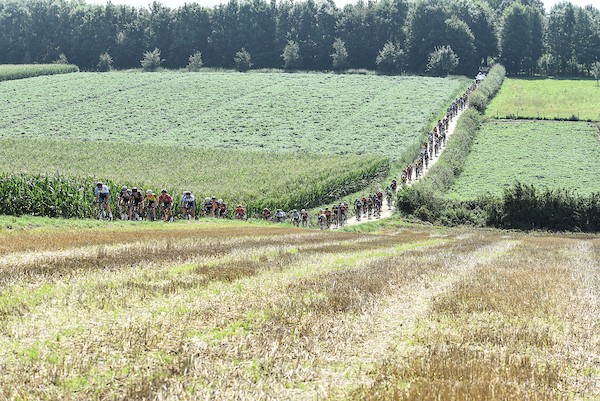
<point x="385" y="211"/>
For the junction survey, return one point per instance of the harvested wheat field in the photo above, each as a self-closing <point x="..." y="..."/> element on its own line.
<point x="201" y="311"/>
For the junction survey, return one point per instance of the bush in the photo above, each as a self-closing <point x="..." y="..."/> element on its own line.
<point x="390" y="58"/>
<point x="488" y="88"/>
<point x="442" y="61"/>
<point x="195" y="62"/>
<point x="151" y="60"/>
<point x="105" y="62"/>
<point x="242" y="60"/>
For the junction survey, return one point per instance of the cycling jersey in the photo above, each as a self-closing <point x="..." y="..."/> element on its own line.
<point x="150" y="198"/>
<point x="165" y="199"/>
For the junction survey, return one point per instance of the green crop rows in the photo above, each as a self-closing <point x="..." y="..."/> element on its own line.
<point x="547" y="98"/>
<point x="257" y="179"/>
<point x="544" y="153"/>
<point x="18" y="71"/>
<point x="263" y="139"/>
<point x="322" y="113"/>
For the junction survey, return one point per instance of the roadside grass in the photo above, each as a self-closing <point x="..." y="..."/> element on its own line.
<point x="544" y="153"/>
<point x="546" y="98"/>
<point x="223" y="312"/>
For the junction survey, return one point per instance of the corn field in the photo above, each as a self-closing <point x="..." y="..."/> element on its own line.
<point x="69" y="197"/>
<point x="9" y="72"/>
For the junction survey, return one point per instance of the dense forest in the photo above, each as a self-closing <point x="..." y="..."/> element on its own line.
<point x="395" y="35"/>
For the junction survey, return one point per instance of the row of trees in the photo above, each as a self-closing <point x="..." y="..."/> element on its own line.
<point x="390" y="34"/>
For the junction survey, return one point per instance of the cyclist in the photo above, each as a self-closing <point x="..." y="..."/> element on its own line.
<point x="335" y="213"/>
<point x="124" y="205"/>
<point x="102" y="193"/>
<point x="137" y="203"/>
<point x="280" y="216"/>
<point x="240" y="213"/>
<point x="150" y="204"/>
<point x="343" y="213"/>
<point x="208" y="206"/>
<point x="358" y="208"/>
<point x="321" y="219"/>
<point x="296" y="218"/>
<point x="222" y="208"/>
<point x="304" y="215"/>
<point x="188" y="205"/>
<point x="388" y="197"/>
<point x="266" y="214"/>
<point x="166" y="202"/>
<point x="328" y="217"/>
<point x="369" y="206"/>
<point x="394" y="185"/>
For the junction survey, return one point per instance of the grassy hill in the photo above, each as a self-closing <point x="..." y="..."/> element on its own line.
<point x="266" y="139"/>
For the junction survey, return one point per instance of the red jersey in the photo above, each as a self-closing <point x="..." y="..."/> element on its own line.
<point x="165" y="198"/>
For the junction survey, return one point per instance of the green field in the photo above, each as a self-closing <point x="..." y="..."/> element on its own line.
<point x="286" y="140"/>
<point x="547" y="98"/>
<point x="544" y="153"/>
<point x="317" y="113"/>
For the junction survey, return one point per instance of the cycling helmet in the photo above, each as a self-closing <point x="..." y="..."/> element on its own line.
<point x="303" y="210"/>
<point x="187" y="193"/>
<point x="214" y="197"/>
<point x="295" y="211"/>
<point x="220" y="201"/>
<point x="99" y="184"/>
<point x="148" y="191"/>
<point x="164" y="191"/>
<point x="207" y="199"/>
<point x="134" y="189"/>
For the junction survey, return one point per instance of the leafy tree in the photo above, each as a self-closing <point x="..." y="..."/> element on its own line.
<point x="442" y="61"/>
<point x="390" y="58"/>
<point x="561" y="34"/>
<point x="194" y="62"/>
<point x="596" y="72"/>
<point x="515" y="38"/>
<point x="460" y="38"/>
<point x="62" y="59"/>
<point x="151" y="60"/>
<point x="426" y="30"/>
<point x="105" y="62"/>
<point x="340" y="55"/>
<point x="242" y="60"/>
<point x="291" y="55"/>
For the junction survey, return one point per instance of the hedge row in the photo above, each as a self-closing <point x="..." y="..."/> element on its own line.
<point x="488" y="88"/>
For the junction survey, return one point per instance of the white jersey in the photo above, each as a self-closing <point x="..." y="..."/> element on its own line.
<point x="105" y="190"/>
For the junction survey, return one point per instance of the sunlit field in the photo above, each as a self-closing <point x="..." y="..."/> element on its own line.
<point x="547" y="98"/>
<point x="550" y="154"/>
<point x="237" y="311"/>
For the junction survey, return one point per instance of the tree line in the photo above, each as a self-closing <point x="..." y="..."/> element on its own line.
<point x="392" y="35"/>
